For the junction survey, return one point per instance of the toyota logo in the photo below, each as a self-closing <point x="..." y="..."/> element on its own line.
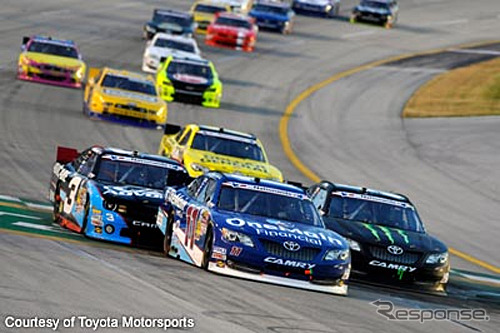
<point x="291" y="246"/>
<point x="394" y="249"/>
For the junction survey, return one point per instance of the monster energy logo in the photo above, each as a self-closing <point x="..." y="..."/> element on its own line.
<point x="387" y="233"/>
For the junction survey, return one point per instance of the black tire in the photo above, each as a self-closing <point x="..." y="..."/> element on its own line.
<point x="207" y="250"/>
<point x="56" y="212"/>
<point x="86" y="216"/>
<point x="167" y="239"/>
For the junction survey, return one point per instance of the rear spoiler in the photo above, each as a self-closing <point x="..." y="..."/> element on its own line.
<point x="26" y="39"/>
<point x="297" y="184"/>
<point x="171" y="129"/>
<point x="66" y="154"/>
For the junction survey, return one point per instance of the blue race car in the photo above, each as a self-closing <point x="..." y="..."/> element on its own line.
<point x="273" y="16"/>
<point x="326" y="8"/>
<point x="112" y="194"/>
<point x="254" y="229"/>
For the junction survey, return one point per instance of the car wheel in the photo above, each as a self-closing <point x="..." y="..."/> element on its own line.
<point x="352" y="19"/>
<point x="388" y="25"/>
<point x="56" y="211"/>
<point x="167" y="239"/>
<point x="86" y="216"/>
<point x="207" y="250"/>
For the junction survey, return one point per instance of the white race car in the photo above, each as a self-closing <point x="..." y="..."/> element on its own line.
<point x="164" y="45"/>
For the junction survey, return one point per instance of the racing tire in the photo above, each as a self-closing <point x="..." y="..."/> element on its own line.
<point x="167" y="239"/>
<point x="56" y="211"/>
<point x="207" y="250"/>
<point x="86" y="216"/>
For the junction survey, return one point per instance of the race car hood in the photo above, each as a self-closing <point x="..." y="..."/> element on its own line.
<point x="166" y="52"/>
<point x="374" y="10"/>
<point x="43" y="58"/>
<point x="125" y="97"/>
<point x="228" y="30"/>
<point x="366" y="233"/>
<point x="231" y="164"/>
<point x="278" y="230"/>
<point x="268" y="16"/>
<point x="116" y="193"/>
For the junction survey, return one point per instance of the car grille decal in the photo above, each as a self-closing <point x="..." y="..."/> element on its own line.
<point x="407" y="258"/>
<point x="277" y="249"/>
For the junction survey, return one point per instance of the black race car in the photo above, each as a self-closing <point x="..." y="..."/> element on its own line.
<point x="112" y="194"/>
<point x="383" y="12"/>
<point x="170" y="21"/>
<point x="388" y="241"/>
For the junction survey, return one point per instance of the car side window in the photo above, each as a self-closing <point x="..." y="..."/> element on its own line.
<point x="81" y="159"/>
<point x="185" y="138"/>
<point x="87" y="165"/>
<point x="206" y="193"/>
<point x="319" y="198"/>
<point x="194" y="186"/>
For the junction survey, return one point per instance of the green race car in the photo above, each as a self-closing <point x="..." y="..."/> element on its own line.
<point x="189" y="80"/>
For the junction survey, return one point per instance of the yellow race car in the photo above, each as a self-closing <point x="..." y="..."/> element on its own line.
<point x="206" y="148"/>
<point x="52" y="61"/>
<point x="204" y="12"/>
<point x="125" y="97"/>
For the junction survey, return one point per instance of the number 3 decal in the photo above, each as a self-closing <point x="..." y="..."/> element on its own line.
<point x="74" y="184"/>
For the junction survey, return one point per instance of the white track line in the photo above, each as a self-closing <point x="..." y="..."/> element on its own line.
<point x="409" y="69"/>
<point x="475" y="51"/>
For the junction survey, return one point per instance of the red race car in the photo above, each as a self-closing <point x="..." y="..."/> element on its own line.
<point x="232" y="30"/>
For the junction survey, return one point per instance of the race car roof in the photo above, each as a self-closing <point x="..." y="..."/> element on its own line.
<point x="257" y="181"/>
<point x="172" y="12"/>
<point x="226" y="131"/>
<point x="371" y="192"/>
<point x="134" y="75"/>
<point x="131" y="153"/>
<point x="48" y="39"/>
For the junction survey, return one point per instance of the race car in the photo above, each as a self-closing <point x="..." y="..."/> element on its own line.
<point x="233" y="31"/>
<point x="52" y="61"/>
<point x="164" y="45"/>
<point x="388" y="241"/>
<point x="238" y="6"/>
<point x="204" y="12"/>
<point x="383" y="12"/>
<point x="273" y="16"/>
<point x="170" y="21"/>
<point x="326" y="8"/>
<point x="205" y="148"/>
<point x="189" y="80"/>
<point x="112" y="194"/>
<point x="254" y="229"/>
<point x="125" y="97"/>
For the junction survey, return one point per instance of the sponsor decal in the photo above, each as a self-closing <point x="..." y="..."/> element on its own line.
<point x="98" y="230"/>
<point x="190" y="78"/>
<point x="221" y="264"/>
<point x="96" y="217"/>
<point x="178" y="200"/>
<point x="201" y="224"/>
<point x="291" y="232"/>
<point x="374" y="199"/>
<point x="290" y="263"/>
<point x="215" y="159"/>
<point x="225" y="135"/>
<point x="123" y="192"/>
<point x="266" y="189"/>
<point x="81" y="199"/>
<point x="291" y="246"/>
<point x="142" y="161"/>
<point x="218" y="249"/>
<point x="144" y="224"/>
<point x="131" y="95"/>
<point x="219" y="256"/>
<point x="404" y="235"/>
<point x="387" y="233"/>
<point x="399" y="268"/>
<point x="372" y="230"/>
<point x="236" y="251"/>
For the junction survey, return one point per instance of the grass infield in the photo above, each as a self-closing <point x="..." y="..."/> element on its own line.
<point x="463" y="92"/>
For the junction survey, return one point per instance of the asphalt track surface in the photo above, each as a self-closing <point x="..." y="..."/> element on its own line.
<point x="446" y="166"/>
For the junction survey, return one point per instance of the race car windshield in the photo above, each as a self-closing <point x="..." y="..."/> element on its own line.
<point x="375" y="4"/>
<point x="223" y="146"/>
<point x="189" y="69"/>
<point x="125" y="83"/>
<point x="390" y="215"/>
<point x="270" y="205"/>
<point x="54" y="49"/>
<point x="172" y="44"/>
<point x="209" y="9"/>
<point x="130" y="173"/>
<point x="231" y="22"/>
<point x="270" y="9"/>
<point x="182" y="21"/>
